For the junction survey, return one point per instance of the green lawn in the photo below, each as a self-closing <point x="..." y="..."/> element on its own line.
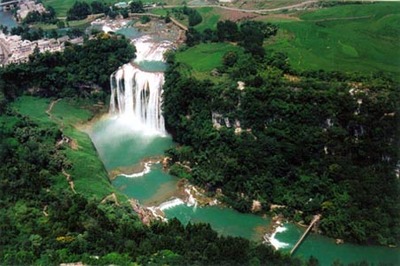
<point x="34" y="108"/>
<point x="210" y="18"/>
<point x="203" y="58"/>
<point x="362" y="38"/>
<point x="87" y="172"/>
<point x="161" y="11"/>
<point x="84" y="23"/>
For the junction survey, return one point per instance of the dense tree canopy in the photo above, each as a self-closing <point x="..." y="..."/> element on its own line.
<point x="249" y="34"/>
<point x="80" y="10"/>
<point x="316" y="142"/>
<point x="136" y="7"/>
<point x="77" y="71"/>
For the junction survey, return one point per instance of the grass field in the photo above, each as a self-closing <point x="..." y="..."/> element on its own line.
<point x="210" y="18"/>
<point x="61" y="6"/>
<point x="209" y="14"/>
<point x="362" y="38"/>
<point x="84" y="23"/>
<point x="35" y="108"/>
<point x="203" y="58"/>
<point x="87" y="172"/>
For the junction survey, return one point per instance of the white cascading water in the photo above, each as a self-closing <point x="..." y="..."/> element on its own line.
<point x="136" y="94"/>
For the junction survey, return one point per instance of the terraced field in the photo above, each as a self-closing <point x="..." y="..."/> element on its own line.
<point x="362" y="38"/>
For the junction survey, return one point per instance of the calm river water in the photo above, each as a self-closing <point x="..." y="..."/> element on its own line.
<point x="7" y="19"/>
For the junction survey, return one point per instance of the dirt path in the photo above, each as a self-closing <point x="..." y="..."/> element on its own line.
<point x="48" y="111"/>
<point x="69" y="180"/>
<point x="45" y="211"/>
<point x="342" y="18"/>
<point x="112" y="197"/>
<point x="259" y="11"/>
<point x="51" y="116"/>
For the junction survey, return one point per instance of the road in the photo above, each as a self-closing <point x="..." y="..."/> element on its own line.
<point x="258" y="11"/>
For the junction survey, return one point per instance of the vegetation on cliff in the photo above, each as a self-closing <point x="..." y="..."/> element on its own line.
<point x="314" y="141"/>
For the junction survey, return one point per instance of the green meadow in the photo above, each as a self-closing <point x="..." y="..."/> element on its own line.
<point x="203" y="58"/>
<point x="210" y="18"/>
<point x="61" y="6"/>
<point x="87" y="171"/>
<point x="362" y="38"/>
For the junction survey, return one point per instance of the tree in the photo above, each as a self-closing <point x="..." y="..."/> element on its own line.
<point x="124" y="13"/>
<point x="60" y="24"/>
<point x="80" y="10"/>
<point x="193" y="15"/>
<point x="144" y="19"/>
<point x="252" y="37"/>
<point x="98" y="7"/>
<point x="227" y="31"/>
<point x="136" y="7"/>
<point x="230" y="58"/>
<point x="193" y="37"/>
<point x="53" y="34"/>
<point x="4" y="29"/>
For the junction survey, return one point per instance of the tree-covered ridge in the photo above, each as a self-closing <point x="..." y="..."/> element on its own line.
<point x="316" y="142"/>
<point x="76" y="71"/>
<point x="248" y="34"/>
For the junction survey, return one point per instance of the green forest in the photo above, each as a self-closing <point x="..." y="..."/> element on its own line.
<point x="316" y="142"/>
<point x="248" y="126"/>
<point x="42" y="222"/>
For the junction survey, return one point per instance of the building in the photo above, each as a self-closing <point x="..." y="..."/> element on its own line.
<point x="29" y="6"/>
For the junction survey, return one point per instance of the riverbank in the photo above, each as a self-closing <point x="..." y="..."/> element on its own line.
<point x="68" y="115"/>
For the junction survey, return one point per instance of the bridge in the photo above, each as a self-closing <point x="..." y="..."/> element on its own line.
<point x="315" y="219"/>
<point x="8" y="3"/>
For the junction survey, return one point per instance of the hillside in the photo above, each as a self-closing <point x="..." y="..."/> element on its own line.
<point x="316" y="141"/>
<point x="349" y="38"/>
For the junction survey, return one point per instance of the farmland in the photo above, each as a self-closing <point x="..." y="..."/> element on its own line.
<point x="361" y="38"/>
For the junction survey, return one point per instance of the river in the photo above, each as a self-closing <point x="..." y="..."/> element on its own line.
<point x="7" y="19"/>
<point x="119" y="145"/>
<point x="125" y="142"/>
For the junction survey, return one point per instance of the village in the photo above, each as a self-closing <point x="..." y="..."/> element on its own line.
<point x="13" y="49"/>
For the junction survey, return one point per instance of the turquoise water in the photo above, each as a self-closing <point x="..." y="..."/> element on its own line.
<point x="7" y="19"/>
<point x="151" y="189"/>
<point x="152" y="66"/>
<point x="225" y="221"/>
<point x="129" y="32"/>
<point x="327" y="251"/>
<point x="119" y="145"/>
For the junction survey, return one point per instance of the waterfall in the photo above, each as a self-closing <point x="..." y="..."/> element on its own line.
<point x="136" y="94"/>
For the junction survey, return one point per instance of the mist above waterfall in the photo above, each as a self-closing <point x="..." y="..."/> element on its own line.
<point x="136" y="92"/>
